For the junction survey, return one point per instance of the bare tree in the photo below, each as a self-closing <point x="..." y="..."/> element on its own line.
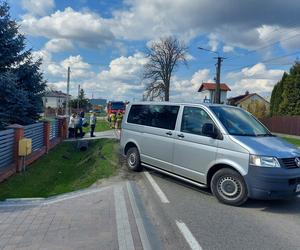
<point x="163" y="57"/>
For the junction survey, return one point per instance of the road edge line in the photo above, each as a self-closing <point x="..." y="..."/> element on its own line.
<point x="189" y="237"/>
<point x="156" y="188"/>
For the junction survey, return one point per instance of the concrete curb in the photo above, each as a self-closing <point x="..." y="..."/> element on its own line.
<point x="49" y="200"/>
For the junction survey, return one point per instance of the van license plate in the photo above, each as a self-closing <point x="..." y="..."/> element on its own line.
<point x="298" y="188"/>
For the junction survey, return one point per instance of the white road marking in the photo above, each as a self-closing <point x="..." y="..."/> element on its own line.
<point x="193" y="243"/>
<point x="157" y="189"/>
<point x="138" y="219"/>
<point x="125" y="240"/>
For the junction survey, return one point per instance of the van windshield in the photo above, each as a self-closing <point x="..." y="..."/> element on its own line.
<point x="239" y="122"/>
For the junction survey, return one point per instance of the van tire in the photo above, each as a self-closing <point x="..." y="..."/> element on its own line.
<point x="229" y="187"/>
<point x="133" y="160"/>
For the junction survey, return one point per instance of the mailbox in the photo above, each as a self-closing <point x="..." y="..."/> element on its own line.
<point x="25" y="147"/>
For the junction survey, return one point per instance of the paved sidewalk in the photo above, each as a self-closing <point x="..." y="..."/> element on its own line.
<point x="102" y="218"/>
<point x="112" y="134"/>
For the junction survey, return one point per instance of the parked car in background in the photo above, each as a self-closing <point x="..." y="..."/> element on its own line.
<point x="221" y="147"/>
<point x="114" y="107"/>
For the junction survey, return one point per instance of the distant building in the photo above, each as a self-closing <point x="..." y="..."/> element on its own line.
<point x="253" y="102"/>
<point x="208" y="91"/>
<point x="54" y="99"/>
<point x="98" y="101"/>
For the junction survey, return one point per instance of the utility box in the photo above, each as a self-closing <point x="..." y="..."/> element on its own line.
<point x="25" y="147"/>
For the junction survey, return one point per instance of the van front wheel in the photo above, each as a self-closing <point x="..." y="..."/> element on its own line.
<point x="133" y="159"/>
<point x="229" y="187"/>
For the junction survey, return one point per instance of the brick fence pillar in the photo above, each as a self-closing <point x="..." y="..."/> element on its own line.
<point x="19" y="134"/>
<point x="62" y="128"/>
<point x="47" y="135"/>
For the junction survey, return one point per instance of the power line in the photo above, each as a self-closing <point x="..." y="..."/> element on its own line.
<point x="265" y="46"/>
<point x="264" y="61"/>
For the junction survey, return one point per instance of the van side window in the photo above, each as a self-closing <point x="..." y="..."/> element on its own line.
<point x="162" y="116"/>
<point x="138" y="114"/>
<point x="193" y="120"/>
<point x="159" y="116"/>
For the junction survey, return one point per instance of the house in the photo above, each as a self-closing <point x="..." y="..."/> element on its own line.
<point x="254" y="103"/>
<point x="54" y="99"/>
<point x="208" y="90"/>
<point x="98" y="103"/>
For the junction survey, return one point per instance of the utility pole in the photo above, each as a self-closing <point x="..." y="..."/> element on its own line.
<point x="217" y="97"/>
<point x="218" y="79"/>
<point x="78" y="97"/>
<point x="68" y="93"/>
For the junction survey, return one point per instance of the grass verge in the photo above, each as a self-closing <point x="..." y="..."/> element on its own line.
<point x="293" y="141"/>
<point x="64" y="169"/>
<point x="101" y="125"/>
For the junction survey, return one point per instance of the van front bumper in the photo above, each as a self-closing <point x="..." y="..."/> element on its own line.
<point x="272" y="183"/>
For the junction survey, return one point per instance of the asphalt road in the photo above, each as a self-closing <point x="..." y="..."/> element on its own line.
<point x="208" y="224"/>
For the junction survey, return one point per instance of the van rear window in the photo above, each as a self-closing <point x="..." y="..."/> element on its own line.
<point x="159" y="116"/>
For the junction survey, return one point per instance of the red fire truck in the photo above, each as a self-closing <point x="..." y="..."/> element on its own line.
<point x="114" y="107"/>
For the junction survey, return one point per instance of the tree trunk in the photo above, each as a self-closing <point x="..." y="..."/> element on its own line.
<point x="167" y="92"/>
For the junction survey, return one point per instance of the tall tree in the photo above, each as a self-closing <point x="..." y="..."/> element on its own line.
<point x="290" y="104"/>
<point x="163" y="57"/>
<point x="81" y="100"/>
<point x="21" y="82"/>
<point x="277" y="97"/>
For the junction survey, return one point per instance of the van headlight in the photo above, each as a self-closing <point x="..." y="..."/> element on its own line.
<point x="264" y="161"/>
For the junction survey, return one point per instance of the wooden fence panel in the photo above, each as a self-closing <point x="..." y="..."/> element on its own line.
<point x="283" y="124"/>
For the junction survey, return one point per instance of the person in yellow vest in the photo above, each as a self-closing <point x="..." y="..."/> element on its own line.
<point x="113" y="120"/>
<point x="119" y="119"/>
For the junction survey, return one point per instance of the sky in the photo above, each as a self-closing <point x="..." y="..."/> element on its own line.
<point x="104" y="43"/>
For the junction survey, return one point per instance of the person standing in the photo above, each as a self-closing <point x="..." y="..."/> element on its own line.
<point x="72" y="125"/>
<point x="119" y="119"/>
<point x="81" y="114"/>
<point x="93" y="121"/>
<point x="78" y="122"/>
<point x="113" y="120"/>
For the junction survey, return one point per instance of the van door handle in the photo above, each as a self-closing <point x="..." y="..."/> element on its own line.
<point x="169" y="133"/>
<point x="181" y="135"/>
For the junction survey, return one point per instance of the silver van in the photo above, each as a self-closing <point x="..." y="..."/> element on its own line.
<point x="220" y="147"/>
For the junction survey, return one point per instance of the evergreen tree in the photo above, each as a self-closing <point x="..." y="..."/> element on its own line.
<point x="277" y="97"/>
<point x="290" y="104"/>
<point x="21" y="82"/>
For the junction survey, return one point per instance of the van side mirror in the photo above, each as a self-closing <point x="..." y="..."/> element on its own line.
<point x="210" y="130"/>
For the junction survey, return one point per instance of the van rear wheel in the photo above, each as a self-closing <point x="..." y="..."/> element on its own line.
<point x="229" y="187"/>
<point x="133" y="159"/>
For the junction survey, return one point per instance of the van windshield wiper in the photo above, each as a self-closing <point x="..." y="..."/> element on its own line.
<point x="267" y="134"/>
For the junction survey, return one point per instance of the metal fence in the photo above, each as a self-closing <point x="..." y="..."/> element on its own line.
<point x="53" y="129"/>
<point x="283" y="124"/>
<point x="36" y="133"/>
<point x="6" y="147"/>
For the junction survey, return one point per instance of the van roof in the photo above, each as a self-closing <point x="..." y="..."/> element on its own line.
<point x="179" y="103"/>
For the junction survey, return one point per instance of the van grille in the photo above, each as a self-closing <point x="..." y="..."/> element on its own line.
<point x="289" y="162"/>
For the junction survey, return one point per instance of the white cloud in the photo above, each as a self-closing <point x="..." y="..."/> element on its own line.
<point x="87" y="29"/>
<point x="213" y="42"/>
<point x="228" y="48"/>
<point x="122" y="80"/>
<point x="58" y="45"/>
<point x="38" y="7"/>
<point x="257" y="79"/>
<point x="243" y="24"/>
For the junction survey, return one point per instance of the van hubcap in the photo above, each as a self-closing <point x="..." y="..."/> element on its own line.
<point x="229" y="187"/>
<point x="132" y="159"/>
